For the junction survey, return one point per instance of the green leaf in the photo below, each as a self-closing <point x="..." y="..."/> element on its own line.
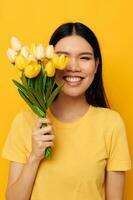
<point x="35" y="109"/>
<point x="38" y="94"/>
<point x="53" y="84"/>
<point x="27" y="93"/>
<point x="38" y="90"/>
<point x="40" y="82"/>
<point x="21" y="87"/>
<point x="27" y="100"/>
<point x="48" y="88"/>
<point x="31" y="82"/>
<point x="24" y="80"/>
<point x="37" y="86"/>
<point x="39" y="97"/>
<point x="53" y="95"/>
<point x="48" y="153"/>
<point x="41" y="113"/>
<point x="44" y="85"/>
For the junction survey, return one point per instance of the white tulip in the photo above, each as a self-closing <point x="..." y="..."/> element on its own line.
<point x="31" y="58"/>
<point x="11" y="54"/>
<point x="39" y="52"/>
<point x="25" y="51"/>
<point x="49" y="51"/>
<point x="16" y="44"/>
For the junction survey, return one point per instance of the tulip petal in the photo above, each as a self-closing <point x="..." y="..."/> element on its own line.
<point x="16" y="44"/>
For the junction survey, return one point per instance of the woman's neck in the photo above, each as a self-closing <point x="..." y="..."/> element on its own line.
<point x="68" y="108"/>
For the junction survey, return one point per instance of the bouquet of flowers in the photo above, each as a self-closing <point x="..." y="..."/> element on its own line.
<point x="36" y="66"/>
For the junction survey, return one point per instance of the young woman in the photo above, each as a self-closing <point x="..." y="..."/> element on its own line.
<point x="88" y="139"/>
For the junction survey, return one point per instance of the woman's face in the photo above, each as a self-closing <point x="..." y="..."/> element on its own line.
<point x="82" y="66"/>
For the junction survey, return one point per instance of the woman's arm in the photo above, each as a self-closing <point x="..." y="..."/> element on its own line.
<point x="21" y="179"/>
<point x="22" y="176"/>
<point x="114" y="185"/>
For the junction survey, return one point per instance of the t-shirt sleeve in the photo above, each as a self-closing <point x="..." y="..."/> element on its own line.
<point x="14" y="148"/>
<point x="118" y="150"/>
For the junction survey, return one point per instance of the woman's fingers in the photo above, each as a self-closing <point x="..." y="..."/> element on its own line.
<point x="42" y="137"/>
<point x="40" y="121"/>
<point x="46" y="137"/>
<point x="46" y="130"/>
<point x="43" y="145"/>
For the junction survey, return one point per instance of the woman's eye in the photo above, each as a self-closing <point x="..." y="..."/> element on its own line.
<point x="85" y="58"/>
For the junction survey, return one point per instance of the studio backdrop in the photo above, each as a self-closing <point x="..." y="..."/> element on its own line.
<point x="35" y="21"/>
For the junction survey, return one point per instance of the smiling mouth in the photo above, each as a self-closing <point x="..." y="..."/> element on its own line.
<point x="73" y="80"/>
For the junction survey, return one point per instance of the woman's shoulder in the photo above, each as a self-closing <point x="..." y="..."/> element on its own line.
<point x="107" y="111"/>
<point x="109" y="115"/>
<point x="25" y="116"/>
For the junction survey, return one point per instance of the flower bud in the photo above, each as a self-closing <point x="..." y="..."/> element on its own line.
<point x="20" y="62"/>
<point x="49" y="51"/>
<point x="55" y="59"/>
<point x="62" y="62"/>
<point x="16" y="44"/>
<point x="50" y="69"/>
<point x="25" y="51"/>
<point x="31" y="58"/>
<point x="11" y="54"/>
<point x="39" y="52"/>
<point x="32" y="70"/>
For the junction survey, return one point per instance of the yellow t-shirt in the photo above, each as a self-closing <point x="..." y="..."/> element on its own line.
<point x="84" y="150"/>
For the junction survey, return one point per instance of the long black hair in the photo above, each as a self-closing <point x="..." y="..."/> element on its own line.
<point x="95" y="94"/>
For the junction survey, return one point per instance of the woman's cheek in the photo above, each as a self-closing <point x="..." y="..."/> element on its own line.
<point x="90" y="67"/>
<point x="90" y="73"/>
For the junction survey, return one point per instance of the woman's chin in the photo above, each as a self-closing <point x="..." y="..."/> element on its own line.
<point x="71" y="92"/>
<point x="73" y="89"/>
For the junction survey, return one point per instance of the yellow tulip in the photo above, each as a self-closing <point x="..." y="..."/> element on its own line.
<point x="20" y="62"/>
<point x="49" y="51"/>
<point x="39" y="52"/>
<point x="32" y="70"/>
<point x="50" y="69"/>
<point x="55" y="59"/>
<point x="16" y="44"/>
<point x="11" y="55"/>
<point x="25" y="51"/>
<point x="61" y="62"/>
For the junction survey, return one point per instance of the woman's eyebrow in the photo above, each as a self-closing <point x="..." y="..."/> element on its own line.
<point x="86" y="53"/>
<point x="62" y="52"/>
<point x="67" y="53"/>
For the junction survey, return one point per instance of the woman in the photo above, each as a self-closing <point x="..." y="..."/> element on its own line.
<point x="90" y="154"/>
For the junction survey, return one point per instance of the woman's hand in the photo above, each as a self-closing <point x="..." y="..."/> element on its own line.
<point x="40" y="141"/>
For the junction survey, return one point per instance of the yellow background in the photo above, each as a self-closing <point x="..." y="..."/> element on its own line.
<point x="34" y="21"/>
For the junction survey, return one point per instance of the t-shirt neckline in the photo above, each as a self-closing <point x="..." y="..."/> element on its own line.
<point x="70" y="124"/>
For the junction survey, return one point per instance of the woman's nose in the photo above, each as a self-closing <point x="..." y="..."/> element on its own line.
<point x="73" y="64"/>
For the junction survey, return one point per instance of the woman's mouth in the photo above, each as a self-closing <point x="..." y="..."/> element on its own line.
<point x="73" y="80"/>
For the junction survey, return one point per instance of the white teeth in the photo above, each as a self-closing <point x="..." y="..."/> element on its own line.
<point x="72" y="79"/>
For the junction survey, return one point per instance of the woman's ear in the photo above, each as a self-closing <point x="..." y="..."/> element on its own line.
<point x="97" y="63"/>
